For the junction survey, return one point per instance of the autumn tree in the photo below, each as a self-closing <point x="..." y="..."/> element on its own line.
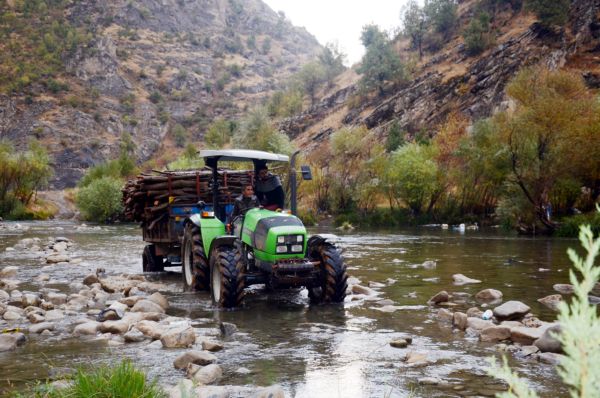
<point x="257" y="132"/>
<point x="414" y="26"/>
<point x="332" y="61"/>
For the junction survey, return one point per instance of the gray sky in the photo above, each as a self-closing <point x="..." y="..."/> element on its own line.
<point x="339" y="20"/>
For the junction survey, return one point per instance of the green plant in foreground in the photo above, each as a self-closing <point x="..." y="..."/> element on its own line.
<point x="580" y="332"/>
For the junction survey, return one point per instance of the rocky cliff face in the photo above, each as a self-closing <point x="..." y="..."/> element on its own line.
<point x="451" y="81"/>
<point x="152" y="64"/>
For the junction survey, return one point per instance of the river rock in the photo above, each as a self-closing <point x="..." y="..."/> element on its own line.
<point x="60" y="247"/>
<point x="115" y="284"/>
<point x="547" y="342"/>
<point x="429" y="381"/>
<point x="211" y="346"/>
<point x="197" y="357"/>
<point x="415" y="358"/>
<point x="439" y="298"/>
<point x="376" y="285"/>
<point x="478" y="323"/>
<point x="30" y="300"/>
<point x="36" y="317"/>
<point x="550" y="358"/>
<point x="525" y="335"/>
<point x="147" y="306"/>
<point x="90" y="280"/>
<point x="41" y="327"/>
<point x="445" y="315"/>
<point x="459" y="320"/>
<point x="131" y="300"/>
<point x="429" y="264"/>
<point x="564" y="288"/>
<point x="54" y="315"/>
<point x="178" y="338"/>
<point x="8" y="272"/>
<point x="206" y="375"/>
<point x="551" y="301"/>
<point x="160" y="300"/>
<point x="4" y="296"/>
<point x="399" y="343"/>
<point x="359" y="289"/>
<point x="87" y="329"/>
<point x="489" y="295"/>
<point x="10" y="341"/>
<point x="460" y="279"/>
<point x="150" y="328"/>
<point x="134" y="336"/>
<point x="527" y="350"/>
<point x="57" y="258"/>
<point x="183" y="389"/>
<point x="511" y="310"/>
<point x="115" y="327"/>
<point x="269" y="392"/>
<point x="10" y="315"/>
<point x="227" y="329"/>
<point x="56" y="298"/>
<point x="495" y="334"/>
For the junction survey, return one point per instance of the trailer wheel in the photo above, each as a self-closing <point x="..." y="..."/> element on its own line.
<point x="193" y="260"/>
<point x="150" y="261"/>
<point x="333" y="277"/>
<point x="227" y="277"/>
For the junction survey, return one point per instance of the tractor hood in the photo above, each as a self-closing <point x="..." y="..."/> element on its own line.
<point x="263" y="228"/>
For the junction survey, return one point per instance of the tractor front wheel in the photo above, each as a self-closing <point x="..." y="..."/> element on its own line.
<point x="227" y="277"/>
<point x="150" y="261"/>
<point x="333" y="277"/>
<point x="195" y="268"/>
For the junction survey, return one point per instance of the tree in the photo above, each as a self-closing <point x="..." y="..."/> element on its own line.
<point x="180" y="135"/>
<point x="550" y="12"/>
<point x="441" y="14"/>
<point x="395" y="137"/>
<point x="477" y="35"/>
<point x="332" y="61"/>
<point x="380" y="64"/>
<point x="257" y="132"/>
<point x="100" y="200"/>
<point x="219" y="133"/>
<point x="413" y="19"/>
<point x="310" y="78"/>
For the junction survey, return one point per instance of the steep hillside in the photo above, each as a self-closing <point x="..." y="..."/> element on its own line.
<point x="78" y="75"/>
<point x="450" y="80"/>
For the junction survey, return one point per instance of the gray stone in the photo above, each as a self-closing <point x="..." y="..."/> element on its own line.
<point x="196" y="357"/>
<point x="150" y="329"/>
<point x="147" y="306"/>
<point x="90" y="280"/>
<point x="211" y="346"/>
<point x="460" y="279"/>
<point x="178" y="338"/>
<point x="115" y="327"/>
<point x="56" y="298"/>
<point x="478" y="323"/>
<point x="399" y="343"/>
<point x="431" y="381"/>
<point x="551" y="301"/>
<point x="439" y="298"/>
<point x="495" y="334"/>
<point x="445" y="315"/>
<point x="547" y="342"/>
<point x="550" y="358"/>
<point x="8" y="272"/>
<point x="160" y="300"/>
<point x="134" y="336"/>
<point x="4" y="296"/>
<point x="564" y="288"/>
<point x="511" y="310"/>
<point x="459" y="320"/>
<point x="184" y="389"/>
<point x="527" y="350"/>
<point x="208" y="374"/>
<point x="269" y="392"/>
<point x="10" y="341"/>
<point x="359" y="289"/>
<point x="131" y="300"/>
<point x="227" y="329"/>
<point x="40" y="327"/>
<point x="10" y="315"/>
<point x="87" y="329"/>
<point x="57" y="258"/>
<point x="30" y="300"/>
<point x="489" y="295"/>
<point x="525" y="335"/>
<point x="35" y="317"/>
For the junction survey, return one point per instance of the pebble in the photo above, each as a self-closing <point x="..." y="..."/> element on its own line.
<point x="460" y="279"/>
<point x="399" y="343"/>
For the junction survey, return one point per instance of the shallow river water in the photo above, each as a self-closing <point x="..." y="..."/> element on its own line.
<point x="315" y="351"/>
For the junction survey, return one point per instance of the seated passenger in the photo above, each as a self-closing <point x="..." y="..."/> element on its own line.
<point x="269" y="190"/>
<point x="246" y="201"/>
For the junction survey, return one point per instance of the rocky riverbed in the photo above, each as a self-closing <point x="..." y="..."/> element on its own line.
<point x="72" y="294"/>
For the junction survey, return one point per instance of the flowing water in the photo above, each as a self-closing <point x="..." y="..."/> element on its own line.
<point x="315" y="351"/>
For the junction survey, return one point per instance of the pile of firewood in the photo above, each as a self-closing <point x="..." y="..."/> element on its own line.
<point x="148" y="196"/>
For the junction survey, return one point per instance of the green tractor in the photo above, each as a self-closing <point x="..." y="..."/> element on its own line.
<point x="259" y="247"/>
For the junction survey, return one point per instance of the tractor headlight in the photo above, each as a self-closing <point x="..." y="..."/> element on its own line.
<point x="297" y="248"/>
<point x="299" y="238"/>
<point x="281" y="239"/>
<point x="281" y="249"/>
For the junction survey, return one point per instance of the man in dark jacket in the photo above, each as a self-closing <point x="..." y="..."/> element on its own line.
<point x="246" y="201"/>
<point x="269" y="190"/>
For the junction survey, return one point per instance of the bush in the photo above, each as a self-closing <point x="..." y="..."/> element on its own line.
<point x="550" y="12"/>
<point x="569" y="227"/>
<point x="180" y="135"/>
<point x="441" y="14"/>
<point x="100" y="200"/>
<point x="477" y="35"/>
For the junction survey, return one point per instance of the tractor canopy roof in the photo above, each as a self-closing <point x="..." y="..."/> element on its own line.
<point x="213" y="156"/>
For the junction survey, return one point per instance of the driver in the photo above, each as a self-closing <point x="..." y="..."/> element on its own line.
<point x="246" y="201"/>
<point x="269" y="190"/>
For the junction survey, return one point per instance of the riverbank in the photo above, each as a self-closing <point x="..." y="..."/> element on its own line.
<point x="281" y="340"/>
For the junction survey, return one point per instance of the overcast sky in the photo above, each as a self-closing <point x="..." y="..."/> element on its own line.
<point x="340" y="20"/>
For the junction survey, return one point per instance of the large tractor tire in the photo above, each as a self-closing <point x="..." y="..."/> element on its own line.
<point x="333" y="277"/>
<point x="227" y="277"/>
<point x="150" y="261"/>
<point x="194" y="264"/>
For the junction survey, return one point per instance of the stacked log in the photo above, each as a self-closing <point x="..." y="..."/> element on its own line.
<point x="147" y="198"/>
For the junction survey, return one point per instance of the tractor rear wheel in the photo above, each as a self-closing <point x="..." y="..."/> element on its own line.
<point x="227" y="277"/>
<point x="194" y="264"/>
<point x="150" y="261"/>
<point x="333" y="277"/>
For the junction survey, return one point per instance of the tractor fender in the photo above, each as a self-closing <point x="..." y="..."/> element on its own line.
<point x="223" y="240"/>
<point x="210" y="229"/>
<point x="317" y="240"/>
<point x="194" y="219"/>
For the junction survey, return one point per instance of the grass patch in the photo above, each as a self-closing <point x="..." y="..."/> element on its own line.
<point x="569" y="226"/>
<point x="117" y="381"/>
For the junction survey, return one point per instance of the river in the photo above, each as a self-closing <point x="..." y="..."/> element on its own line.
<point x="316" y="351"/>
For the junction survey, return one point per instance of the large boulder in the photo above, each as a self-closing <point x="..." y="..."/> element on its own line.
<point x="147" y="306"/>
<point x="160" y="300"/>
<point x="511" y="310"/>
<point x="548" y="343"/>
<point x="524" y="335"/>
<point x="115" y="327"/>
<point x="134" y="336"/>
<point x="495" y="334"/>
<point x="150" y="329"/>
<point x="478" y="323"/>
<point x="196" y="357"/>
<point x="205" y="375"/>
<point x="9" y="342"/>
<point x="178" y="338"/>
<point x="489" y="295"/>
<point x="41" y="327"/>
<point x="86" y="329"/>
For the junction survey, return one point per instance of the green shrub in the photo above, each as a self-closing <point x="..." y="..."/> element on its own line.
<point x="477" y="35"/>
<point x="550" y="12"/>
<point x="569" y="226"/>
<point x="180" y="135"/>
<point x="100" y="200"/>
